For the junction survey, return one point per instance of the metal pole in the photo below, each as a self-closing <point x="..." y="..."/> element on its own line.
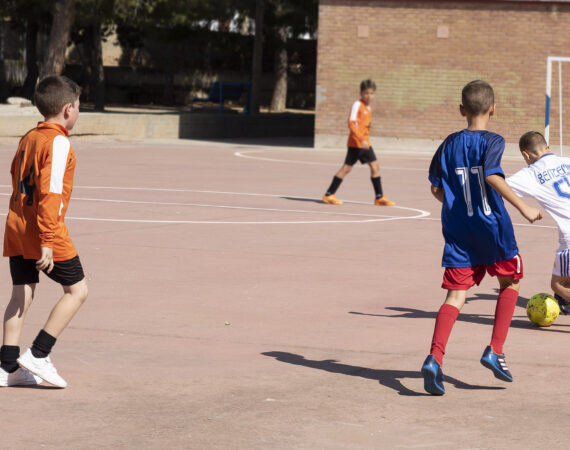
<point x="560" y="103"/>
<point x="547" y="108"/>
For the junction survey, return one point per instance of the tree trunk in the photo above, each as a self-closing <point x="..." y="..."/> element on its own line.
<point x="3" y="81"/>
<point x="63" y="17"/>
<point x="257" y="57"/>
<point x="279" y="99"/>
<point x="32" y="29"/>
<point x="97" y="73"/>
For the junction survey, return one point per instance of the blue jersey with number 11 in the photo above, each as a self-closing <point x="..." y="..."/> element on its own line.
<point x="476" y="226"/>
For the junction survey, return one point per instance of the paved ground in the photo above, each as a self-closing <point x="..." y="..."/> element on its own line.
<point x="229" y="308"/>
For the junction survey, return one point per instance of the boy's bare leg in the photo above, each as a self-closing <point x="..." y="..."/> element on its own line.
<point x="561" y="286"/>
<point x="66" y="307"/>
<point x="15" y="313"/>
<point x="36" y="359"/>
<point x="455" y="298"/>
<point x="374" y="169"/>
<point x="343" y="171"/>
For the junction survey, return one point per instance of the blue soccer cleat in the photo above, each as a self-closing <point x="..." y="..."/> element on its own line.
<point x="497" y="364"/>
<point x="563" y="304"/>
<point x="433" y="376"/>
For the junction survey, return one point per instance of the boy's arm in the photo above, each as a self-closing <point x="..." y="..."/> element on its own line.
<point x="356" y="132"/>
<point x="498" y="183"/>
<point x="437" y="192"/>
<point x="50" y="186"/>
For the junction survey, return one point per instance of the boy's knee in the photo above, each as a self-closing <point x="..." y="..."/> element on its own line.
<point x="555" y="286"/>
<point x="79" y="291"/>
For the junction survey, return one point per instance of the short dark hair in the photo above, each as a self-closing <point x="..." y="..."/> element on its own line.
<point x="367" y="84"/>
<point x="53" y="93"/>
<point x="477" y="97"/>
<point x="531" y="141"/>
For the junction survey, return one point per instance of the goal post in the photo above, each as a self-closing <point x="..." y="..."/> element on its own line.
<point x="549" y="61"/>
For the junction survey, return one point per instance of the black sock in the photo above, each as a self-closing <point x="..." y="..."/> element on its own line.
<point x="377" y="186"/>
<point x="334" y="186"/>
<point x="43" y="344"/>
<point x="9" y="355"/>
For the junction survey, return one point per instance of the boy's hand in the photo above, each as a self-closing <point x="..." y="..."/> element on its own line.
<point x="531" y="214"/>
<point x="46" y="260"/>
<point x="365" y="145"/>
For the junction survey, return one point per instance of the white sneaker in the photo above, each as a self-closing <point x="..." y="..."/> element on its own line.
<point x="42" y="367"/>
<point x="20" y="377"/>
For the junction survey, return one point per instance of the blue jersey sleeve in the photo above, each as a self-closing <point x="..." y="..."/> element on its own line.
<point x="493" y="155"/>
<point x="435" y="170"/>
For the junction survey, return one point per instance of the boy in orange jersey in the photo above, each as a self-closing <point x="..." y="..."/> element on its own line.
<point x="359" y="148"/>
<point x="36" y="237"/>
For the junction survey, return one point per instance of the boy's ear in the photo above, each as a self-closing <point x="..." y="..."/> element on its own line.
<point x="66" y="109"/>
<point x="462" y="110"/>
<point x="527" y="156"/>
<point x="492" y="110"/>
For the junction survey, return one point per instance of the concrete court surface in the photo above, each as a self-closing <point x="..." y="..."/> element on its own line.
<point x="230" y="309"/>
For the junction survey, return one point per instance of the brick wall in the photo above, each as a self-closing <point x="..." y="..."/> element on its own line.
<point x="419" y="75"/>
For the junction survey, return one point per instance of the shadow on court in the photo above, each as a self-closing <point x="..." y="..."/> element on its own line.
<point x="302" y="199"/>
<point x="521" y="301"/>
<point x="386" y="377"/>
<point x="483" y="319"/>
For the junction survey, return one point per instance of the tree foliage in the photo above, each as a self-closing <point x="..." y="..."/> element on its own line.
<point x="140" y="22"/>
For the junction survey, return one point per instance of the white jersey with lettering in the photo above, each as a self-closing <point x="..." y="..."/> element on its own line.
<point x="548" y="181"/>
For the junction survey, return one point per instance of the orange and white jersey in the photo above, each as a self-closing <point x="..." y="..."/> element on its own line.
<point x="42" y="180"/>
<point x="359" y="124"/>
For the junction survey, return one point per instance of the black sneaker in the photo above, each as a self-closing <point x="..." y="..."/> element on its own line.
<point x="563" y="304"/>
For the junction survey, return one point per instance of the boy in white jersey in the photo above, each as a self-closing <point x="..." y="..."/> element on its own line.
<point x="547" y="179"/>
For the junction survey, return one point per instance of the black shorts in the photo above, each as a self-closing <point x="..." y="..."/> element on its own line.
<point x="66" y="273"/>
<point x="354" y="154"/>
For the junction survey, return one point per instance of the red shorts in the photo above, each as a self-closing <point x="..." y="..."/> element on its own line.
<point x="462" y="278"/>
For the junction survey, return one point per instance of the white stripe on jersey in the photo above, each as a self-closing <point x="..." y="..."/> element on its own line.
<point x="354" y="111"/>
<point x="60" y="151"/>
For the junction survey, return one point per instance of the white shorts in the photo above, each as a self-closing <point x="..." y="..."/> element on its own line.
<point x="562" y="263"/>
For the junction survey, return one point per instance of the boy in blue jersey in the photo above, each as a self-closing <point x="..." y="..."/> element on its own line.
<point x="466" y="177"/>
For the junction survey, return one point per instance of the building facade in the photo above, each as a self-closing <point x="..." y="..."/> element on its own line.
<point x="421" y="54"/>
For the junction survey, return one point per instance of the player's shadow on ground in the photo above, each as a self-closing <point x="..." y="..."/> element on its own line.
<point x="386" y="377"/>
<point x="483" y="319"/>
<point x="521" y="301"/>
<point x="303" y="199"/>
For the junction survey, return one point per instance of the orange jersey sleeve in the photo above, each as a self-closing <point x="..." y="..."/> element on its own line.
<point x="359" y="124"/>
<point x="42" y="180"/>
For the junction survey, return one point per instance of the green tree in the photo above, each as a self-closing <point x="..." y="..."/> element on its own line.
<point x="63" y="17"/>
<point x="285" y="19"/>
<point x="93" y="19"/>
<point x="29" y="17"/>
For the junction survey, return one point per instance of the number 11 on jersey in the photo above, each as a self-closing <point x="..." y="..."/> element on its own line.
<point x="463" y="174"/>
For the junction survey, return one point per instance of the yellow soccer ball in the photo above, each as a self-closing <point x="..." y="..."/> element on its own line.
<point x="542" y="310"/>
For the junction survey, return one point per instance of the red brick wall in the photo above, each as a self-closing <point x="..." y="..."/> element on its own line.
<point x="419" y="76"/>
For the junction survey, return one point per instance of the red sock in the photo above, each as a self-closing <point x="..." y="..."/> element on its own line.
<point x="443" y="325"/>
<point x="503" y="314"/>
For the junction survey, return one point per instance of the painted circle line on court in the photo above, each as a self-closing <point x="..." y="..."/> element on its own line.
<point x="362" y="218"/>
<point x="246" y="154"/>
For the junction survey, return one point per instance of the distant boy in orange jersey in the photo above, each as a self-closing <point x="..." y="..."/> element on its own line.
<point x="359" y="148"/>
<point x="36" y="237"/>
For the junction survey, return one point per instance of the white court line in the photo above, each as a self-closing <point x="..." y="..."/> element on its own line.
<point x="517" y="224"/>
<point x="243" y="154"/>
<point x="376" y="217"/>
